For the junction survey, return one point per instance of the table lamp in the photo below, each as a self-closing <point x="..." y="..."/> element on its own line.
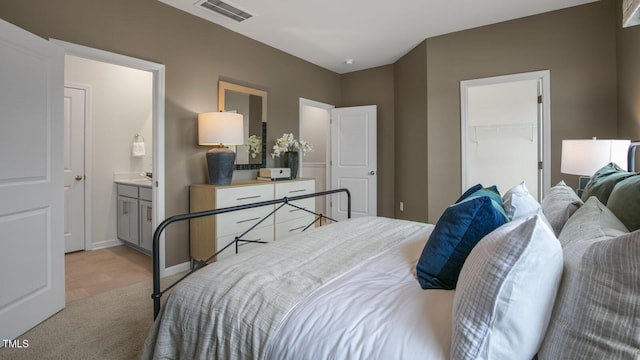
<point x="220" y="129"/>
<point x="585" y="157"/>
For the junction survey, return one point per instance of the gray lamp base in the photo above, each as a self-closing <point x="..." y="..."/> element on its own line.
<point x="220" y="161"/>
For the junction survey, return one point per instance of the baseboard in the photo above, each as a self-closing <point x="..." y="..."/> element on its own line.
<point x="175" y="269"/>
<point x="106" y="244"/>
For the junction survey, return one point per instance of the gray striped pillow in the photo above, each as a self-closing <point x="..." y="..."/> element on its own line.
<point x="597" y="313"/>
<point x="559" y="204"/>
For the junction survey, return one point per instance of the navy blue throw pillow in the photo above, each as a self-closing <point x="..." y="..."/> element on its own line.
<point x="469" y="191"/>
<point x="457" y="231"/>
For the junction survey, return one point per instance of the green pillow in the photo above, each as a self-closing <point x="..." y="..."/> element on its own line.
<point x="603" y="182"/>
<point x="624" y="202"/>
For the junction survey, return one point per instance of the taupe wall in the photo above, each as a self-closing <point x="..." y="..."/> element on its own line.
<point x="196" y="54"/>
<point x="578" y="46"/>
<point x="375" y="87"/>
<point x="595" y="87"/>
<point x="411" y="134"/>
<point x="628" y="47"/>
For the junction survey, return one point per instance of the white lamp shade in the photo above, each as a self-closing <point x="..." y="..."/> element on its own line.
<point x="215" y="128"/>
<point x="585" y="157"/>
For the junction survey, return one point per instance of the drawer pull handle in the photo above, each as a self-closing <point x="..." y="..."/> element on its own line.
<point x="246" y="220"/>
<point x="248" y="197"/>
<point x="295" y="191"/>
<point x="294" y="210"/>
<point x="296" y="229"/>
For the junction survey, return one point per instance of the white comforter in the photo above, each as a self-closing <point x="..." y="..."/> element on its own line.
<point x="377" y="310"/>
<point x="351" y="286"/>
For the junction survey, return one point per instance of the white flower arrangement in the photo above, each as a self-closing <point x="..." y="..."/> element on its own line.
<point x="288" y="143"/>
<point x="254" y="145"/>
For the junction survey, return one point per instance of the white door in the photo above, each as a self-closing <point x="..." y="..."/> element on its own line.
<point x="74" y="179"/>
<point x="504" y="125"/>
<point x="31" y="181"/>
<point x="354" y="160"/>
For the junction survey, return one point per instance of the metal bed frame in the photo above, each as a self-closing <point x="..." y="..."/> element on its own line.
<point x="631" y="156"/>
<point x="199" y="264"/>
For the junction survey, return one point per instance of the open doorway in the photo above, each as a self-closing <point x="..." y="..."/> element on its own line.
<point x="314" y="128"/>
<point x="149" y="129"/>
<point x="344" y="156"/>
<point x="505" y="131"/>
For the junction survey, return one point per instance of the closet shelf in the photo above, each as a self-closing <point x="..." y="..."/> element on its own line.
<point x="499" y="127"/>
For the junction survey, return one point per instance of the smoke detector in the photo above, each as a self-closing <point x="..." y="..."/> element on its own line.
<point x="225" y="9"/>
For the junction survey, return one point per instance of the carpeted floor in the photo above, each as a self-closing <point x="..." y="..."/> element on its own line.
<point x="111" y="325"/>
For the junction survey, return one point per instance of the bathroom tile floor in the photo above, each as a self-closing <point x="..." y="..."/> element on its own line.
<point x="89" y="273"/>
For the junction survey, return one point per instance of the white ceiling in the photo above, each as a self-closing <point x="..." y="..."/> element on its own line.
<point x="371" y="32"/>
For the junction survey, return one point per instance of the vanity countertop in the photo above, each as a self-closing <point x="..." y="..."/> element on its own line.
<point x="135" y="182"/>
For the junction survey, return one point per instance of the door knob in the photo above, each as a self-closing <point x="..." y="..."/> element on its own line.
<point x="372" y="172"/>
<point x="78" y="177"/>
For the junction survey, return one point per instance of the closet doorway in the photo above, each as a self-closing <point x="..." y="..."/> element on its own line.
<point x="505" y="132"/>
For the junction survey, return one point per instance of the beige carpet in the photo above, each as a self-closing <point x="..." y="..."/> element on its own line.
<point x="111" y="325"/>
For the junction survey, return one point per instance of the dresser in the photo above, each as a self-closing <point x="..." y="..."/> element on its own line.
<point x="211" y="233"/>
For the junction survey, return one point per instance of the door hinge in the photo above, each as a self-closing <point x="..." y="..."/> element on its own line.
<point x="539" y="165"/>
<point x="539" y="99"/>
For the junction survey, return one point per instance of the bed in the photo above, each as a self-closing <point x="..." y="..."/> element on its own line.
<point x="556" y="279"/>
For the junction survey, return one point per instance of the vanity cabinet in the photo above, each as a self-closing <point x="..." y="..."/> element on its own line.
<point x="134" y="216"/>
<point x="212" y="233"/>
<point x="146" y="219"/>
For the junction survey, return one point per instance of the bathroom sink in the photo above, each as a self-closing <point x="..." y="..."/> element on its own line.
<point x="135" y="182"/>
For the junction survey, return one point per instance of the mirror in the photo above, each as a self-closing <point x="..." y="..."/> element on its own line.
<point x="252" y="104"/>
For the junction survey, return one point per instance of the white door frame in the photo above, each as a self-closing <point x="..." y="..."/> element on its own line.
<point x="158" y="97"/>
<point x="87" y="163"/>
<point x="544" y="131"/>
<point x="328" y="108"/>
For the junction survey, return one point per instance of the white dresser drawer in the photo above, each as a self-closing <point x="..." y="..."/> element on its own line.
<point x="240" y="195"/>
<point x="289" y="212"/>
<point x="288" y="228"/>
<point x="294" y="188"/>
<point x="258" y="234"/>
<point x="239" y="221"/>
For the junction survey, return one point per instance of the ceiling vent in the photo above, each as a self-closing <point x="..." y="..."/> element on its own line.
<point x="226" y="10"/>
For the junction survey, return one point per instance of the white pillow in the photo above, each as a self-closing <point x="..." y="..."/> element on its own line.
<point x="518" y="202"/>
<point x="505" y="292"/>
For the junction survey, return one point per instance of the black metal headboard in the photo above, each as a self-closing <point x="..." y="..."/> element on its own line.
<point x="631" y="157"/>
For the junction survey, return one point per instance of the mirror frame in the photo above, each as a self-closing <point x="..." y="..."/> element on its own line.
<point x="222" y="87"/>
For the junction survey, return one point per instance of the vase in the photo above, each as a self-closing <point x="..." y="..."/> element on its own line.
<point x="291" y="161"/>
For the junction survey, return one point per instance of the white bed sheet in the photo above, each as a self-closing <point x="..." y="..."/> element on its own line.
<point x="376" y="310"/>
